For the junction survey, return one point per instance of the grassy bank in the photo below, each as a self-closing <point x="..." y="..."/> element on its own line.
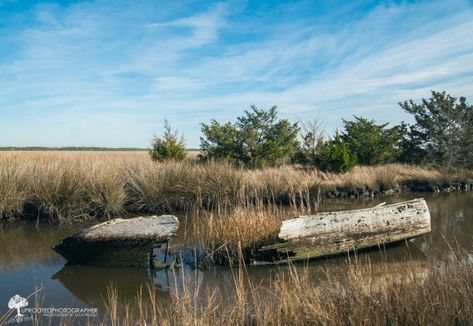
<point x="62" y="186"/>
<point x="422" y="293"/>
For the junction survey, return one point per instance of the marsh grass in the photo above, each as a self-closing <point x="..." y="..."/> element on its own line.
<point x="427" y="293"/>
<point x="226" y="238"/>
<point x="12" y="187"/>
<point x="64" y="186"/>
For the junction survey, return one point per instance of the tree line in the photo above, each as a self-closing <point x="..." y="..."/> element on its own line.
<point x="442" y="135"/>
<point x="72" y="149"/>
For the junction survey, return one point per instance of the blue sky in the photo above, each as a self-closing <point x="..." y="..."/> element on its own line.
<point x="106" y="73"/>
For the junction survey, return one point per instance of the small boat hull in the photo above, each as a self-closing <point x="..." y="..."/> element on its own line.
<point x="332" y="233"/>
<point x="118" y="242"/>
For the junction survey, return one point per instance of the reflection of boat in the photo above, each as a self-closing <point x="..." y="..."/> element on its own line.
<point x="119" y="242"/>
<point x="332" y="233"/>
<point x="90" y="284"/>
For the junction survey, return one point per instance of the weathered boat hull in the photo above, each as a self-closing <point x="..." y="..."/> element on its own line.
<point x="119" y="242"/>
<point x="332" y="233"/>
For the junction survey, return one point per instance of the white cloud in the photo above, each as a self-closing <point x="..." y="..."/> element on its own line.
<point x="203" y="26"/>
<point x="95" y="76"/>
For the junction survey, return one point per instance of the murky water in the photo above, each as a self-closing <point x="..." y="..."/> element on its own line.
<point x="27" y="261"/>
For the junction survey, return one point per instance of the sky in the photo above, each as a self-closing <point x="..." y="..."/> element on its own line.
<point x="107" y="73"/>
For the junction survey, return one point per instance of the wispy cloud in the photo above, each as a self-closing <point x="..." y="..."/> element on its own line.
<point x="93" y="73"/>
<point x="203" y="28"/>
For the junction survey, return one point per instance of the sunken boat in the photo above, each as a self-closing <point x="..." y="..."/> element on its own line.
<point x="118" y="242"/>
<point x="332" y="233"/>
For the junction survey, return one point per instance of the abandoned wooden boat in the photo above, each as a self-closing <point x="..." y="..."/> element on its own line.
<point x="331" y="233"/>
<point x="118" y="242"/>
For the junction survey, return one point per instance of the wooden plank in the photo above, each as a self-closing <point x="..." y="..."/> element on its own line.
<point x="332" y="233"/>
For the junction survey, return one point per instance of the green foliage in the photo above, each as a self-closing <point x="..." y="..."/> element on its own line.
<point x="335" y="156"/>
<point x="257" y="139"/>
<point x="372" y="143"/>
<point x="442" y="134"/>
<point x="221" y="141"/>
<point x="167" y="147"/>
<point x="466" y="156"/>
<point x="411" y="146"/>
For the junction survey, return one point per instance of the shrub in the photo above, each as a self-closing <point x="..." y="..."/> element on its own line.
<point x="167" y="147"/>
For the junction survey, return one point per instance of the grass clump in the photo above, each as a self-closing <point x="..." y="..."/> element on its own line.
<point x="225" y="238"/>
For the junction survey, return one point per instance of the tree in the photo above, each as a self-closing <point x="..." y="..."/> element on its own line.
<point x="335" y="156"/>
<point x="372" y="143"/>
<point x="221" y="141"/>
<point x="442" y="130"/>
<point x="257" y="139"/>
<point x="467" y="139"/>
<point x="167" y="147"/>
<point x="411" y="145"/>
<point x="312" y="141"/>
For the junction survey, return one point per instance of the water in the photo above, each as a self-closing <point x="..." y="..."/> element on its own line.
<point x="27" y="261"/>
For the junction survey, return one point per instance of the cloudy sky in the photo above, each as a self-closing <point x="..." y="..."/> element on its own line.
<point x="106" y="73"/>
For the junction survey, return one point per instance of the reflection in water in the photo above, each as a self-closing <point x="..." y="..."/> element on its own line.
<point x="23" y="243"/>
<point x="90" y="284"/>
<point x="26" y="259"/>
<point x="452" y="223"/>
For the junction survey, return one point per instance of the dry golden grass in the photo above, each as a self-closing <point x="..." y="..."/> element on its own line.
<point x="223" y="235"/>
<point x="64" y="186"/>
<point x="424" y="294"/>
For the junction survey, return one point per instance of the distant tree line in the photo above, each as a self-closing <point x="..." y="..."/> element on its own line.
<point x="441" y="135"/>
<point x="71" y="148"/>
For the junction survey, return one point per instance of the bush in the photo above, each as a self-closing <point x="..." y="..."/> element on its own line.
<point x="168" y="147"/>
<point x="258" y="139"/>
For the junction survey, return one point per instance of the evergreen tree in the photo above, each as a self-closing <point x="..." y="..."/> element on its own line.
<point x="167" y="147"/>
<point x="335" y="156"/>
<point x="372" y="143"/>
<point x="442" y="134"/>
<point x="257" y="139"/>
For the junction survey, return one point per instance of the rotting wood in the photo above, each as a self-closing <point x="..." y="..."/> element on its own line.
<point x="119" y="242"/>
<point x="331" y="233"/>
